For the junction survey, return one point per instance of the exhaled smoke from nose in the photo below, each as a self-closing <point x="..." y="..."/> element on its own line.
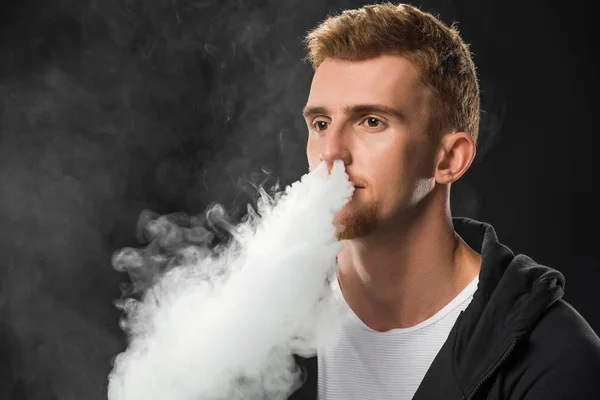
<point x="225" y="325"/>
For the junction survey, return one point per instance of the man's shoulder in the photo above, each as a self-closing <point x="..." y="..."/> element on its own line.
<point x="560" y="360"/>
<point x="562" y="335"/>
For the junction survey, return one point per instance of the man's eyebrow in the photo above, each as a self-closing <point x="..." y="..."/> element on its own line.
<point x="374" y="109"/>
<point x="357" y="109"/>
<point x="314" y="110"/>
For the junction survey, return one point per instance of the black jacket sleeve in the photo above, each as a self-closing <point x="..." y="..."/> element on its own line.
<point x="569" y="381"/>
<point x="568" y="362"/>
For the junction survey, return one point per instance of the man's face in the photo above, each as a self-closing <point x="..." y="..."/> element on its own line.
<point x="373" y="115"/>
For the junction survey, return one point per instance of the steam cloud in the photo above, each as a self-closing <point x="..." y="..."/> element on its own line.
<point x="224" y="324"/>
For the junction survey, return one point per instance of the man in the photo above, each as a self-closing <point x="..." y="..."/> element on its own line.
<point x="438" y="307"/>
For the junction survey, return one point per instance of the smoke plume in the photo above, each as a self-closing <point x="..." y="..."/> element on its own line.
<point x="225" y="323"/>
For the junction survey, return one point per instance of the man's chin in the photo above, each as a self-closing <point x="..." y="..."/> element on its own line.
<point x="354" y="225"/>
<point x="341" y="233"/>
<point x="353" y="231"/>
<point x="344" y="236"/>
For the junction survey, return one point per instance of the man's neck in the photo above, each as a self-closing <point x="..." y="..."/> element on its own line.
<point x="399" y="279"/>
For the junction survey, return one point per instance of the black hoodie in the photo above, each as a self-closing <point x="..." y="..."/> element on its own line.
<point x="517" y="339"/>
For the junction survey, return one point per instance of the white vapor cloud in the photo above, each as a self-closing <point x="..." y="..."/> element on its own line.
<point x="225" y="326"/>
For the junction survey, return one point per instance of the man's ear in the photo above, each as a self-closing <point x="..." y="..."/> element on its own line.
<point x="455" y="155"/>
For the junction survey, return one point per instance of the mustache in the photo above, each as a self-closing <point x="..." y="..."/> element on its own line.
<point x="358" y="181"/>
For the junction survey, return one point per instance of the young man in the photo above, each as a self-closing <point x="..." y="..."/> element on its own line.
<point x="438" y="307"/>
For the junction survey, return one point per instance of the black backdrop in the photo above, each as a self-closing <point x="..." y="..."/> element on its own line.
<point x="108" y="108"/>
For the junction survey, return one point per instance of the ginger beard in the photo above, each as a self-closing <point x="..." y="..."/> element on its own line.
<point x="359" y="217"/>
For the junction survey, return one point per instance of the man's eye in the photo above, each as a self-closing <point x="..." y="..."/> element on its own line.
<point x="372" y="122"/>
<point x="320" y="125"/>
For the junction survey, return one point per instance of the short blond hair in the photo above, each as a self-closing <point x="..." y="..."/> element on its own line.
<point x="436" y="49"/>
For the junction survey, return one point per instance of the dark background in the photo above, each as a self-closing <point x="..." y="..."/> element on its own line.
<point x="108" y="108"/>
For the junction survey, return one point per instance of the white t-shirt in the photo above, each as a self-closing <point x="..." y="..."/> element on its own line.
<point x="369" y="365"/>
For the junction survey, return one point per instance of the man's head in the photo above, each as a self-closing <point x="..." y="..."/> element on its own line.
<point x="395" y="96"/>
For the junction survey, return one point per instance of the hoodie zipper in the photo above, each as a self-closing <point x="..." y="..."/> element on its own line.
<point x="496" y="365"/>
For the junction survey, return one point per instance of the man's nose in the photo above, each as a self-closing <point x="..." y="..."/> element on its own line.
<point x="335" y="148"/>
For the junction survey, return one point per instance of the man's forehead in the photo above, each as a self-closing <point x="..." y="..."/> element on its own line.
<point x="389" y="80"/>
<point x="383" y="68"/>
